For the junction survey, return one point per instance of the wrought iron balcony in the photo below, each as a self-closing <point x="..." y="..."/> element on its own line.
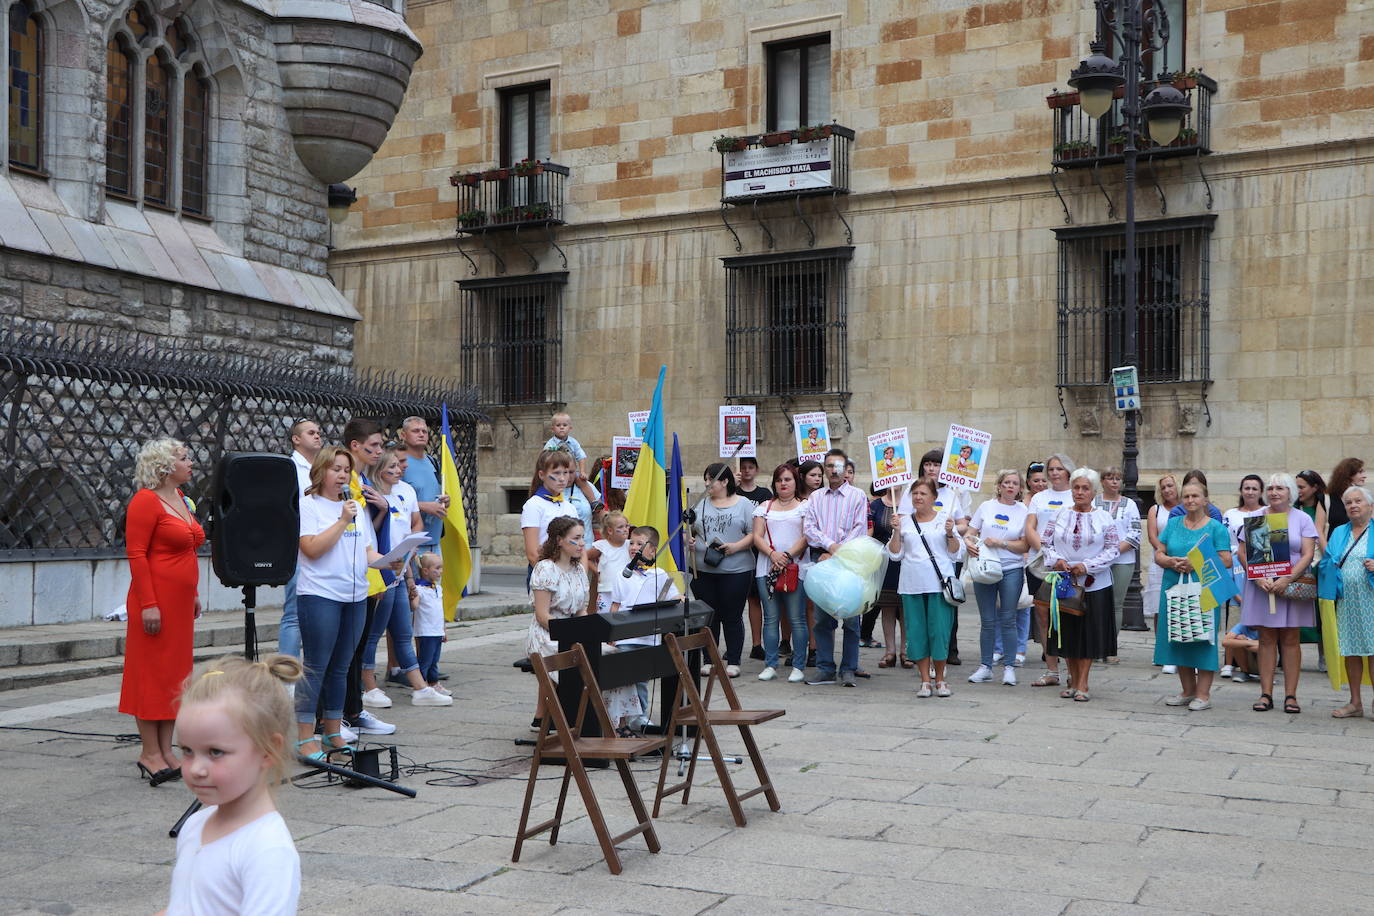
<point x="1081" y="141"/>
<point x="528" y="194"/>
<point x="785" y="164"/>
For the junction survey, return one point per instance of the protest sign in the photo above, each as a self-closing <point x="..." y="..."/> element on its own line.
<point x="738" y="432"/>
<point x="889" y="453"/>
<point x="624" y="459"/>
<point x="639" y="419"/>
<point x="966" y="453"/>
<point x="812" y="431"/>
<point x="1267" y="553"/>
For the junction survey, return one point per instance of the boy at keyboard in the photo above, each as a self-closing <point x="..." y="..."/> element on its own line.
<point x="642" y="583"/>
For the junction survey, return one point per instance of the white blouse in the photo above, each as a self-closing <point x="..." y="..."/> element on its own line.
<point x="1089" y="538"/>
<point x="919" y="576"/>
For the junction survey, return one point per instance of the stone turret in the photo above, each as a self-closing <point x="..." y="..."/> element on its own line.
<point x="345" y="65"/>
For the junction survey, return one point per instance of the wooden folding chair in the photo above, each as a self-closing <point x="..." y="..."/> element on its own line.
<point x="692" y="708"/>
<point x="566" y="742"/>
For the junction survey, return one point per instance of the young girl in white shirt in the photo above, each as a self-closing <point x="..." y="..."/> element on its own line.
<point x="427" y="605"/>
<point x="234" y="731"/>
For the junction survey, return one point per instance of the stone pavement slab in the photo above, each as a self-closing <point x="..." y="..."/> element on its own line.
<point x="997" y="800"/>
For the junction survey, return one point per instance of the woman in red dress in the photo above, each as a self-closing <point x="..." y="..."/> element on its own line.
<point x="161" y="536"/>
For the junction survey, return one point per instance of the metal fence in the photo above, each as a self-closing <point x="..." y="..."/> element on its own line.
<point x="74" y="411"/>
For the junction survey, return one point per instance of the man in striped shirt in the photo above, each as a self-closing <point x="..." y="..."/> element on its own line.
<point x="832" y="516"/>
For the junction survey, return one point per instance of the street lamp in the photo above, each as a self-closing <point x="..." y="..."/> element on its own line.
<point x="1098" y="79"/>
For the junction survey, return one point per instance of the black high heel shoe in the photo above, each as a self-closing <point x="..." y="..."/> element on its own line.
<point x="154" y="779"/>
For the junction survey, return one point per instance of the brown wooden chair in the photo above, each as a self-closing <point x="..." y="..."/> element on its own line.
<point x="566" y="742"/>
<point x="692" y="708"/>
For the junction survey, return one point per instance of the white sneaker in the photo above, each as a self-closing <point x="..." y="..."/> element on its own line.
<point x="924" y="692"/>
<point x="1225" y="671"/>
<point x="428" y="696"/>
<point x="705" y="670"/>
<point x="1169" y="669"/>
<point x="981" y="676"/>
<point x="376" y="699"/>
<point x="1009" y="676"/>
<point x="442" y="689"/>
<point x="1179" y="700"/>
<point x="767" y="674"/>
<point x="942" y="689"/>
<point x="732" y="670"/>
<point x="1200" y="704"/>
<point x="346" y="733"/>
<point x="1020" y="659"/>
<point x="797" y="676"/>
<point x="996" y="657"/>
<point x="368" y="724"/>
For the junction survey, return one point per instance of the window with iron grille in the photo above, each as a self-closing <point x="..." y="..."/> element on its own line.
<point x="25" y="95"/>
<point x="799" y="82"/>
<point x="512" y="338"/>
<point x="786" y="330"/>
<point x="1172" y="293"/>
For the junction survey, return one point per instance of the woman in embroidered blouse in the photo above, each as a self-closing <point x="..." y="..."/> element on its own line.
<point x="161" y="538"/>
<point x="1081" y="542"/>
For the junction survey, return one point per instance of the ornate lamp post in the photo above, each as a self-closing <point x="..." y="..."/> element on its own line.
<point x="1097" y="80"/>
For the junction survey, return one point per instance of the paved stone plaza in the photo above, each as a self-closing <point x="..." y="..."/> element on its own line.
<point x="998" y="800"/>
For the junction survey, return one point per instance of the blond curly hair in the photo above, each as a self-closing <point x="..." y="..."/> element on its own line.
<point x="155" y="461"/>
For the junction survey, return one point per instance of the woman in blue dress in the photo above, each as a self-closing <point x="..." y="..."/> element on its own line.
<point x="1196" y="661"/>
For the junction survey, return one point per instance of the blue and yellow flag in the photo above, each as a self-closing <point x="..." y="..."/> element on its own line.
<point x="1218" y="585"/>
<point x="453" y="544"/>
<point x="647" y="501"/>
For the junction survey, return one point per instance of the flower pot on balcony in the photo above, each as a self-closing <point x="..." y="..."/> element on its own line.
<point x="527" y="167"/>
<point x="1185" y="82"/>
<point x="810" y="134"/>
<point x="778" y="138"/>
<point x="496" y="175"/>
<point x="729" y="144"/>
<point x="1062" y="100"/>
<point x="470" y="219"/>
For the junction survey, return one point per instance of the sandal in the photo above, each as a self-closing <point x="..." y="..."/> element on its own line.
<point x="906" y="662"/>
<point x="1066" y="694"/>
<point x="335" y="748"/>
<point x="1048" y="679"/>
<point x="1264" y="703"/>
<point x="1081" y="696"/>
<point x="887" y="661"/>
<point x="1348" y="711"/>
<point x="317" y="755"/>
<point x="1290" y="705"/>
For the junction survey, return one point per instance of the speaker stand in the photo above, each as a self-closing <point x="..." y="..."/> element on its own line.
<point x="250" y="652"/>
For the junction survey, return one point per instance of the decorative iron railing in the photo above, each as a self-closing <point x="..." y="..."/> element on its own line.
<point x="786" y="163"/>
<point x="74" y="411"/>
<point x="1081" y="141"/>
<point x="526" y="194"/>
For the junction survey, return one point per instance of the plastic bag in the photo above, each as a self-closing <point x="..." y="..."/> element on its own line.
<point x="847" y="584"/>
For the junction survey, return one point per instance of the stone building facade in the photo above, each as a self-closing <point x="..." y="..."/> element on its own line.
<point x="166" y="174"/>
<point x="964" y="268"/>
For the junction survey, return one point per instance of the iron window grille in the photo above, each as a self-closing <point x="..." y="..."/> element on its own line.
<point x="512" y="338"/>
<point x="799" y="82"/>
<point x="787" y="323"/>
<point x="1173" y="312"/>
<point x="74" y="411"/>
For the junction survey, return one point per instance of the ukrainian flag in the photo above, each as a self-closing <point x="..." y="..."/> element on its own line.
<point x="647" y="501"/>
<point x="453" y="544"/>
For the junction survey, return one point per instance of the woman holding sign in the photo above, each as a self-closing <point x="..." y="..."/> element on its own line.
<point x="1196" y="661"/>
<point x="1265" y="605"/>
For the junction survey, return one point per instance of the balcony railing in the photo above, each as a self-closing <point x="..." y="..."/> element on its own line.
<point x="1081" y="141"/>
<point x="788" y="163"/>
<point x="527" y="194"/>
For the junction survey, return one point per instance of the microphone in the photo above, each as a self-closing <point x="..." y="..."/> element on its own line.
<point x="631" y="566"/>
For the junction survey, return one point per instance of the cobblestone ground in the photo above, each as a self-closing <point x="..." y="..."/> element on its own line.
<point x="997" y="800"/>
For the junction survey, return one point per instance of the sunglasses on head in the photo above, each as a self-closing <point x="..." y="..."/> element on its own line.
<point x="1036" y="466"/>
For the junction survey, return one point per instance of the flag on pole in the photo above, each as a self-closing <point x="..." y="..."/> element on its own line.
<point x="678" y="538"/>
<point x="453" y="544"/>
<point x="1218" y="585"/>
<point x="646" y="503"/>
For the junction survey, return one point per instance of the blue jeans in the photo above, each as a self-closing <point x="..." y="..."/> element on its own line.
<point x="997" y="609"/>
<point x="428" y="649"/>
<point x="774" y="606"/>
<point x="330" y="631"/>
<point x="393" y="614"/>
<point x="289" y="630"/>
<point x="825" y="644"/>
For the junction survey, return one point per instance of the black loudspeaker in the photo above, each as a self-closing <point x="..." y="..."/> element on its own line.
<point x="255" y="517"/>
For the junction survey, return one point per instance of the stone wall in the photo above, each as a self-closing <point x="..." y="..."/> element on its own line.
<point x="952" y="286"/>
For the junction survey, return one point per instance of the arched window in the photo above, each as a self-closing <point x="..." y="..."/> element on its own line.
<point x="157" y="130"/>
<point x="194" y="152"/>
<point x="119" y="87"/>
<point x="25" y="87"/>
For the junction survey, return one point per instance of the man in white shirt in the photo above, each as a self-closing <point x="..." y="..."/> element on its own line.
<point x="645" y="584"/>
<point x="306" y="443"/>
<point x="832" y="516"/>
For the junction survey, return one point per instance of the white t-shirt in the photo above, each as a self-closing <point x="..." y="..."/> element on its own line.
<point x="302" y="471"/>
<point x="538" y="512"/>
<point x="428" y="618"/>
<point x="340" y="574"/>
<point x="784" y="526"/>
<point x="1234" y="520"/>
<point x="918" y="576"/>
<point x="613" y="562"/>
<point x="643" y="587"/>
<point x="955" y="500"/>
<point x="402" y="503"/>
<point x="1047" y="503"/>
<point x="1005" y="523"/>
<point x="254" y="870"/>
